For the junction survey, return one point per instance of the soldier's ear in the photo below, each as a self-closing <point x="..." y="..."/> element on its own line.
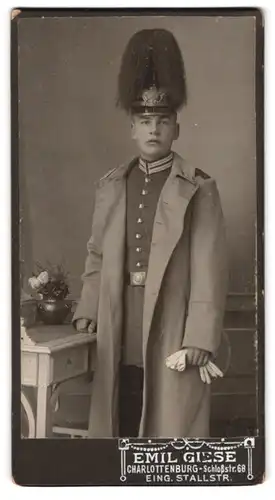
<point x="177" y="131"/>
<point x="133" y="129"/>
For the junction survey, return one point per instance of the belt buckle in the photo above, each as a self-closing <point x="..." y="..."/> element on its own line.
<point x="138" y="278"/>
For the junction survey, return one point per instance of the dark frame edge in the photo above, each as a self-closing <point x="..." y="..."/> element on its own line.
<point x="137" y="11"/>
<point x="15" y="291"/>
<point x="260" y="293"/>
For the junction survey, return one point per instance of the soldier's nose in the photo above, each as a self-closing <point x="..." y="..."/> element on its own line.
<point x="154" y="129"/>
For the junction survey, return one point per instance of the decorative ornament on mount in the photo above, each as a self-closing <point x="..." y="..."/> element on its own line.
<point x="51" y="284"/>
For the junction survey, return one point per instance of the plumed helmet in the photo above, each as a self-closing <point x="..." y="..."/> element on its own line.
<point x="152" y="74"/>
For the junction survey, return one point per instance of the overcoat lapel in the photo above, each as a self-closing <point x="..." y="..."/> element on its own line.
<point x="168" y="226"/>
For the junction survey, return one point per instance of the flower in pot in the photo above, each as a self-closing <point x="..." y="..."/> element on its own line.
<point x="51" y="284"/>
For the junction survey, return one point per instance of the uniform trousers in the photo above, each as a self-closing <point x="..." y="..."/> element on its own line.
<point x="130" y="400"/>
<point x="131" y="369"/>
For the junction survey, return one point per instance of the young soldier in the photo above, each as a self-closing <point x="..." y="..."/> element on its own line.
<point x="155" y="275"/>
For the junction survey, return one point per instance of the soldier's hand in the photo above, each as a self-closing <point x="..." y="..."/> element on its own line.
<point x="82" y="324"/>
<point x="177" y="360"/>
<point x="196" y="356"/>
<point x="92" y="327"/>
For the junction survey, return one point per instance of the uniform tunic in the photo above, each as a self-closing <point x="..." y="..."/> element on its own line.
<point x="144" y="184"/>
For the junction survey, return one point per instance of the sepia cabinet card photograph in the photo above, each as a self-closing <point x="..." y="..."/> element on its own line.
<point x="138" y="279"/>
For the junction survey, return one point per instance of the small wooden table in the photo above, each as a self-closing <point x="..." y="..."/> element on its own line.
<point x="51" y="355"/>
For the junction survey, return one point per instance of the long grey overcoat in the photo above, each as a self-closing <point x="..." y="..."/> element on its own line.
<point x="183" y="306"/>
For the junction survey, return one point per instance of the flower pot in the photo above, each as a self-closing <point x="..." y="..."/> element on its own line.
<point x="53" y="311"/>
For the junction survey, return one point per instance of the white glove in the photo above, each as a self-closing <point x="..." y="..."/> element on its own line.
<point x="177" y="361"/>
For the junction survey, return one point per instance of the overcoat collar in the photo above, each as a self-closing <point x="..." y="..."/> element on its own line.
<point x="180" y="168"/>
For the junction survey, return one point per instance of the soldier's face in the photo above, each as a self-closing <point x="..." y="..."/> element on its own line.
<point x="154" y="134"/>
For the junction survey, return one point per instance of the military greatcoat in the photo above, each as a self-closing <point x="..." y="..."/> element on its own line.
<point x="184" y="300"/>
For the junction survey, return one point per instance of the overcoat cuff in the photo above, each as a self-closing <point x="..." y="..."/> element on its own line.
<point x="203" y="327"/>
<point x="82" y="313"/>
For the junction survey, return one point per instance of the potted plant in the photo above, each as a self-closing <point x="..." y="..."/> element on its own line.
<point x="51" y="284"/>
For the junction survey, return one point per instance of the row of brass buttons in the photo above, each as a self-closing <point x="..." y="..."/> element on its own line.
<point x="141" y="206"/>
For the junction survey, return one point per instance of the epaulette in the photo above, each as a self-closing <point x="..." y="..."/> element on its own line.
<point x="201" y="173"/>
<point x="107" y="174"/>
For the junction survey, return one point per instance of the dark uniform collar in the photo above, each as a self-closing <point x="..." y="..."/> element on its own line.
<point x="156" y="166"/>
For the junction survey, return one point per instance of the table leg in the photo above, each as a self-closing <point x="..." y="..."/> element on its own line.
<point x="43" y="420"/>
<point x="29" y="414"/>
<point x="43" y="411"/>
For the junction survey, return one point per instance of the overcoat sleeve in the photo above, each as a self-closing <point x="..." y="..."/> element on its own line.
<point x="208" y="270"/>
<point x="88" y="304"/>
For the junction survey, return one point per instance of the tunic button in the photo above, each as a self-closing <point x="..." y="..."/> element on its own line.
<point x="138" y="236"/>
<point x="139" y="221"/>
<point x="138" y="249"/>
<point x="141" y="205"/>
<point x="147" y="179"/>
<point x="144" y="192"/>
<point x="138" y="264"/>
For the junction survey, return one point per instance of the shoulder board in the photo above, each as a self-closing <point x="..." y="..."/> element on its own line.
<point x="201" y="173"/>
<point x="107" y="174"/>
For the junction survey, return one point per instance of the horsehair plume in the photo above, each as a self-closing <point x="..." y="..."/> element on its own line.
<point x="152" y="56"/>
